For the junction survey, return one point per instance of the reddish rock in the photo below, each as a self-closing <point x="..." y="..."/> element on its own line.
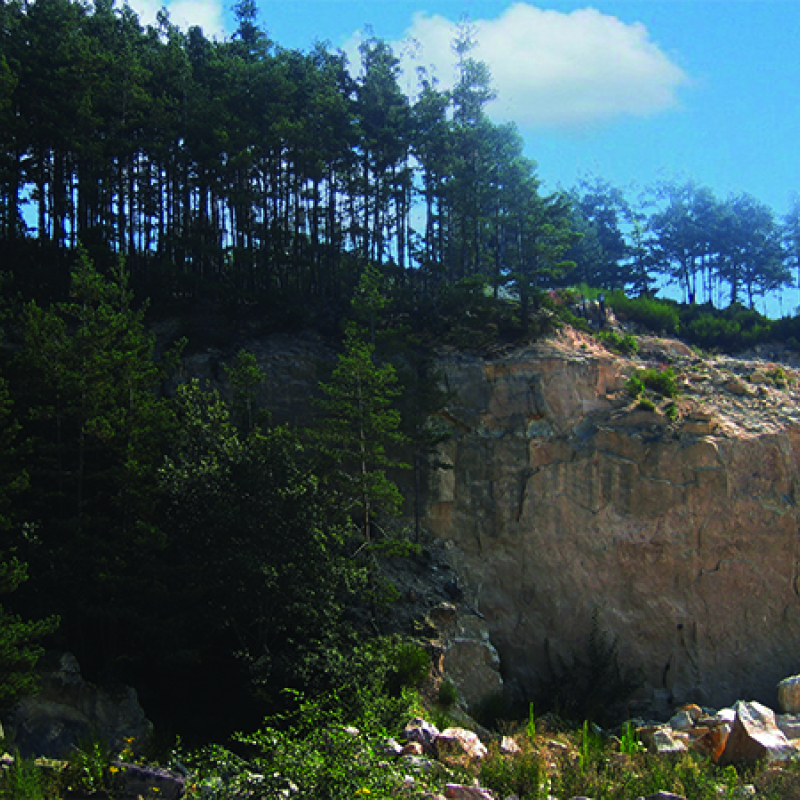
<point x="755" y="737"/>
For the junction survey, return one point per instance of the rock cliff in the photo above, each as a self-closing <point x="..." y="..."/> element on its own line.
<point x="565" y="496"/>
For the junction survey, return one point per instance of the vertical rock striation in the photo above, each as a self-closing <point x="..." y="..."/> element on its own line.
<point x="565" y="497"/>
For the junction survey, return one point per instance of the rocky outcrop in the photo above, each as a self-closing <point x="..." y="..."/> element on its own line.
<point x="68" y="711"/>
<point x="564" y="497"/>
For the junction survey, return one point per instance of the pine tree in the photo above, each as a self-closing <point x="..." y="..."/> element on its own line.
<point x="19" y="640"/>
<point x="358" y="429"/>
<point x="97" y="430"/>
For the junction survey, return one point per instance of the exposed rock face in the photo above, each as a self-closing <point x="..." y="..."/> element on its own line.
<point x="564" y="496"/>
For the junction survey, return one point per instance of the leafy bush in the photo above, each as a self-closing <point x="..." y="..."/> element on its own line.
<point x="23" y="780"/>
<point x="635" y="385"/>
<point x="448" y="694"/>
<point x="317" y="753"/>
<point x="730" y="329"/>
<point x="626" y="345"/>
<point x="655" y="315"/>
<point x="660" y="381"/>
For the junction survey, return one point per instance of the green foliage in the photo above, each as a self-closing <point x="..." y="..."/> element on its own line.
<point x="267" y="569"/>
<point x="524" y="775"/>
<point x="97" y="429"/>
<point x="646" y="404"/>
<point x="357" y="430"/>
<point x="408" y="665"/>
<point x="634" y="385"/>
<point x="24" y="780"/>
<point x="659" y="316"/>
<point x="629" y="740"/>
<point x="627" y="344"/>
<point x="661" y="381"/>
<point x="245" y="378"/>
<point x="530" y="725"/>
<point x="19" y="640"/>
<point x="318" y="752"/>
<point x="447" y="696"/>
<point x="590" y="746"/>
<point x="730" y="329"/>
<point x="88" y="768"/>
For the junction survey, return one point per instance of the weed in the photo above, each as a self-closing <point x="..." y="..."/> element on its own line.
<point x="530" y="727"/>
<point x="23" y="781"/>
<point x="523" y="775"/>
<point x="629" y="741"/>
<point x="88" y="767"/>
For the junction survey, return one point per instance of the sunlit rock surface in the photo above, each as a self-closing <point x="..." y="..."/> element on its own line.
<point x="564" y="497"/>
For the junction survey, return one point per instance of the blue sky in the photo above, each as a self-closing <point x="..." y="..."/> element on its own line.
<point x="631" y="91"/>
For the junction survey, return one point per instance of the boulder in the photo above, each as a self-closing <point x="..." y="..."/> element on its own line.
<point x="132" y="781"/>
<point x="710" y="741"/>
<point x="789" y="695"/>
<point x="468" y="658"/>
<point x="458" y="791"/>
<point x="663" y="740"/>
<point x="67" y="710"/>
<point x="755" y="737"/>
<point x="789" y="725"/>
<point x="457" y="745"/>
<point x="663" y="796"/>
<point x="682" y="721"/>
<point x="418" y="730"/>
<point x="508" y="747"/>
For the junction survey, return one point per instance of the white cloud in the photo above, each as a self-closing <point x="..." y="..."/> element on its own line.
<point x="552" y="69"/>
<point x="207" y="14"/>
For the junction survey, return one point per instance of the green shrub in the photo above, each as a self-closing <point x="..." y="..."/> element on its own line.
<point x="448" y="694"/>
<point x="523" y="775"/>
<point x="655" y="315"/>
<point x="410" y="665"/>
<point x="313" y="753"/>
<point x="660" y="381"/>
<point x="635" y="385"/>
<point x="627" y="345"/>
<point x="23" y="780"/>
<point x="88" y="767"/>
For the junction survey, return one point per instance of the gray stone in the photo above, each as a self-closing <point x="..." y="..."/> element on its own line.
<point x="135" y="781"/>
<point x="418" y="730"/>
<point x="67" y="711"/>
<point x="789" y="725"/>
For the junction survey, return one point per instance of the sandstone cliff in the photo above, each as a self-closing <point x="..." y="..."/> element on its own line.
<point x="564" y="496"/>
